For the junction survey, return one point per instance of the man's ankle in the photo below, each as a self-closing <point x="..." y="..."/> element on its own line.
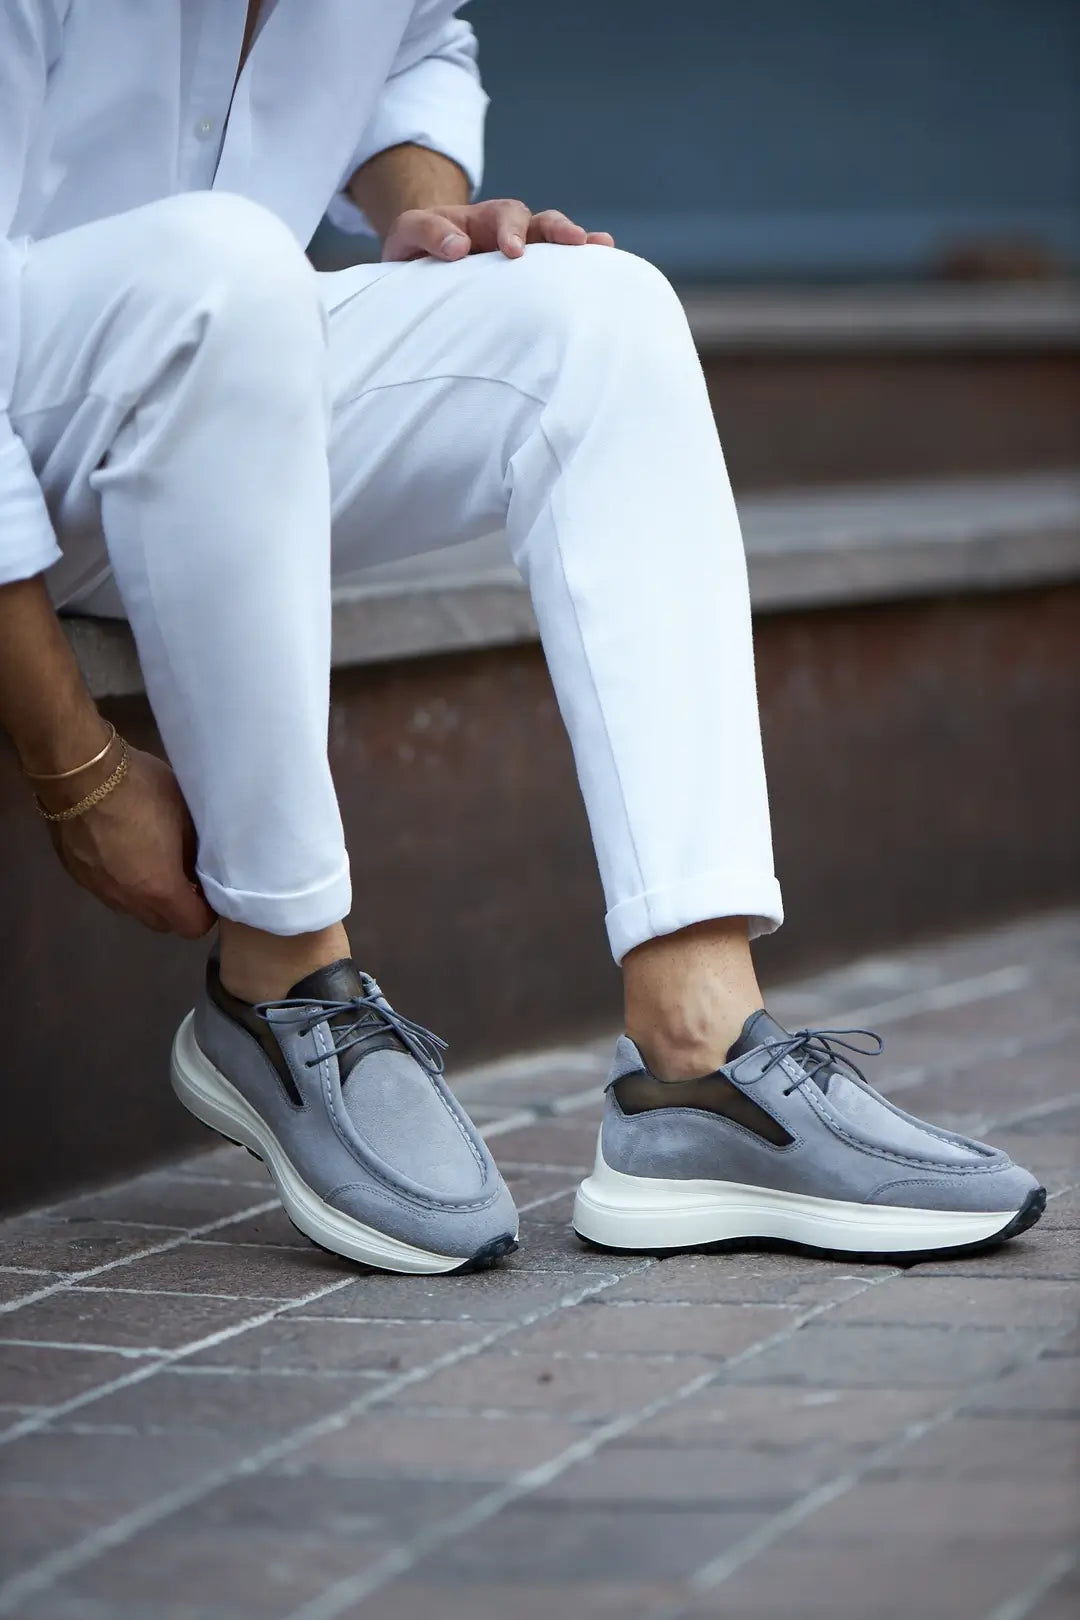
<point x="256" y="966"/>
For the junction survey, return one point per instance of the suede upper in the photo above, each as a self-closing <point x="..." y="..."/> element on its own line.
<point x="847" y="1142"/>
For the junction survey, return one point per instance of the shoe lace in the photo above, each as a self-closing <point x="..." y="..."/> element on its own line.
<point x="366" y="1015"/>
<point x="816" y="1049"/>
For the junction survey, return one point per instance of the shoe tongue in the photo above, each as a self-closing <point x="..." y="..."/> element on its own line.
<point x="759" y="1027"/>
<point x="339" y="982"/>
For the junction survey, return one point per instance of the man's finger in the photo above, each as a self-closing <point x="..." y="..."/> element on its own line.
<point x="600" y="239"/>
<point x="424" y="233"/>
<point x="553" y="226"/>
<point x="511" y="226"/>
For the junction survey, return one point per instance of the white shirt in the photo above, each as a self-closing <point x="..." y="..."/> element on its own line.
<point x="105" y="105"/>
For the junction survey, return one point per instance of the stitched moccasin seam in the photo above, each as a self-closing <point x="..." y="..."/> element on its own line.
<point x="902" y="1158"/>
<point x="372" y="1169"/>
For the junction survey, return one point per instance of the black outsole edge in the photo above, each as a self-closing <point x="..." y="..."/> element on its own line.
<point x="486" y="1255"/>
<point x="1022" y="1221"/>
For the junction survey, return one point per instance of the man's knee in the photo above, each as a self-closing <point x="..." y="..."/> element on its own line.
<point x="232" y="265"/>
<point x="591" y="284"/>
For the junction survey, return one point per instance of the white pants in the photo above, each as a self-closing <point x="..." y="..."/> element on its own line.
<point x="220" y="430"/>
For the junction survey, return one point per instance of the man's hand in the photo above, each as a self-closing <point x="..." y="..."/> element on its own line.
<point x="136" y="851"/>
<point x="503" y="225"/>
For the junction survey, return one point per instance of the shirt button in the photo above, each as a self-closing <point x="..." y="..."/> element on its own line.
<point x="204" y="129"/>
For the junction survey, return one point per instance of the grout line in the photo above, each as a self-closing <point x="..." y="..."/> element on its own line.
<point x="48" y="1415"/>
<point x="73" y="1278"/>
<point x="989" y="1052"/>
<point x="943" y="997"/>
<point x="66" y="1344"/>
<point x="1019" y="1607"/>
<point x="719" y="1570"/>
<point x="40" y="1576"/>
<point x="353" y="1590"/>
<point x="531" y="1116"/>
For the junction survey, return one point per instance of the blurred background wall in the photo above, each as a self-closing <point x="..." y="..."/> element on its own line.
<point x="794" y="138"/>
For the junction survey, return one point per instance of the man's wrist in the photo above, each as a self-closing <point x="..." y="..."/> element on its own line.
<point x="73" y="738"/>
<point x="403" y="177"/>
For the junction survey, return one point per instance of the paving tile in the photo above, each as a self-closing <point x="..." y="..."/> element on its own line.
<point x="553" y="1211"/>
<point x="272" y="1229"/>
<point x="585" y="1543"/>
<point x="164" y="1198"/>
<point x="1063" y="1212"/>
<point x="313" y="1506"/>
<point x="704" y="1477"/>
<point x="19" y="1285"/>
<point x="224" y="1163"/>
<point x="744" y="1279"/>
<point x="322" y="1346"/>
<point x="1062" y="1602"/>
<point x="919" y="1505"/>
<point x="948" y="1526"/>
<point x="131" y="1467"/>
<point x="252" y="1407"/>
<point x="591" y="1388"/>
<point x="962" y="1300"/>
<point x="632" y="1329"/>
<point x="576" y="1600"/>
<point x="783" y="1418"/>
<point x="418" y="1443"/>
<point x="33" y="1523"/>
<point x="883" y="1577"/>
<point x="823" y="1354"/>
<point x="551" y="1246"/>
<point x="996" y="1448"/>
<point x="221" y="1268"/>
<point x="1049" y="1387"/>
<point x="1042" y="1252"/>
<point x="57" y="1606"/>
<point x="96" y="1316"/>
<point x="536" y="1082"/>
<point x="56" y="1245"/>
<point x="250" y="1577"/>
<point x="33" y="1376"/>
<point x="559" y="1142"/>
<point x="527" y="1185"/>
<point x="497" y="1295"/>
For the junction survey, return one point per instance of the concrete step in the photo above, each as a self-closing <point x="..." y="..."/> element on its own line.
<point x="805" y="548"/>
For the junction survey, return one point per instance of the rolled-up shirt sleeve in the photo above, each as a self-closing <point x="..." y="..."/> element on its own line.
<point x="433" y="98"/>
<point x="28" y="29"/>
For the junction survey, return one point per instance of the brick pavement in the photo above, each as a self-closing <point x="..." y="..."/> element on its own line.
<point x="204" y="1418"/>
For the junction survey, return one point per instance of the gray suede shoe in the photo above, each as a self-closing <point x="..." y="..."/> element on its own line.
<point x="343" y="1098"/>
<point x="788" y="1142"/>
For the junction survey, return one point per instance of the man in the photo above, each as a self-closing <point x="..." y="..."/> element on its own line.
<point x="200" y="433"/>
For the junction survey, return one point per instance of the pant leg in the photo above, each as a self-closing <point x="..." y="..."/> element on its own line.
<point x="560" y="396"/>
<point x="172" y="393"/>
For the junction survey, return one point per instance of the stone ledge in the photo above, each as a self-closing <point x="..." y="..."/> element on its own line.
<point x="813" y="548"/>
<point x="936" y="318"/>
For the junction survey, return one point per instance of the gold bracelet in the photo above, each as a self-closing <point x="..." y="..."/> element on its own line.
<point x="62" y="776"/>
<point x="102" y="791"/>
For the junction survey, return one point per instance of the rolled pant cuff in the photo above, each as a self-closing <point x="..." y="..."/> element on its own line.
<point x="698" y="899"/>
<point x="303" y="912"/>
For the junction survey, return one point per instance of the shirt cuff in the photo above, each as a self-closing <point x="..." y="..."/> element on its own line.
<point x="435" y="104"/>
<point x="27" y="542"/>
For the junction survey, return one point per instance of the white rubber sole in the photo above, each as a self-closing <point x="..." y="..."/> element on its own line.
<point x="206" y="1093"/>
<point x="642" y="1213"/>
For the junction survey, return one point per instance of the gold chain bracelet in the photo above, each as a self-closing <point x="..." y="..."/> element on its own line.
<point x="102" y="791"/>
